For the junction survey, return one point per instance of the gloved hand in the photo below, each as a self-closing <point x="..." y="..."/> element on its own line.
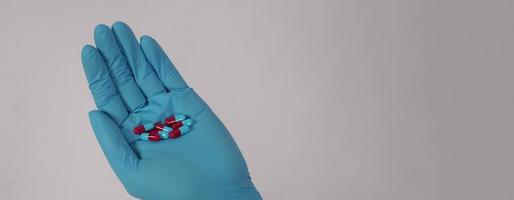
<point x="134" y="83"/>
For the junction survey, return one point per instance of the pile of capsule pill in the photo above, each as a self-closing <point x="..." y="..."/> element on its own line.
<point x="173" y="127"/>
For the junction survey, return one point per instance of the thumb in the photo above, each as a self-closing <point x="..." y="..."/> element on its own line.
<point x="114" y="145"/>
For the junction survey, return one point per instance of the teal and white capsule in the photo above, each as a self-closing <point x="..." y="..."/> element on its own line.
<point x="179" y="131"/>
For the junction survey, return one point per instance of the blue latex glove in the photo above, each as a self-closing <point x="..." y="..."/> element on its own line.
<point x="134" y="83"/>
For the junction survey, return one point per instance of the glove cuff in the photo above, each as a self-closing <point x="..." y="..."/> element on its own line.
<point x="239" y="193"/>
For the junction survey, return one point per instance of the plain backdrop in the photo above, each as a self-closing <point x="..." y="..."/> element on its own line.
<point x="360" y="100"/>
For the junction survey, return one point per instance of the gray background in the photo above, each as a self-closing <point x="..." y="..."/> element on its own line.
<point x="327" y="99"/>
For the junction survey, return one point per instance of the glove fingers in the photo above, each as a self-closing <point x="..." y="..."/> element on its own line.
<point x="120" y="72"/>
<point x="114" y="145"/>
<point x="143" y="72"/>
<point x="165" y="69"/>
<point x="101" y="86"/>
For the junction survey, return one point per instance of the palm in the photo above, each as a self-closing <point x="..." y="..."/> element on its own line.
<point x="194" y="158"/>
<point x="134" y="84"/>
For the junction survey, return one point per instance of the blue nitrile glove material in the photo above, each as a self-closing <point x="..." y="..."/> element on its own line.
<point x="134" y="83"/>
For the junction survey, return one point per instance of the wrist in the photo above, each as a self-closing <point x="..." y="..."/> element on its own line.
<point x="239" y="193"/>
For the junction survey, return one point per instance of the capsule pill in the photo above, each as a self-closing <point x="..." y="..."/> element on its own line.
<point x="154" y="131"/>
<point x="174" y="118"/>
<point x="162" y="127"/>
<point x="154" y="137"/>
<point x="164" y="135"/>
<point x="187" y="122"/>
<point x="142" y="128"/>
<point x="179" y="132"/>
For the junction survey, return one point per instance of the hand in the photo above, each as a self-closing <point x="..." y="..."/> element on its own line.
<point x="134" y="83"/>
